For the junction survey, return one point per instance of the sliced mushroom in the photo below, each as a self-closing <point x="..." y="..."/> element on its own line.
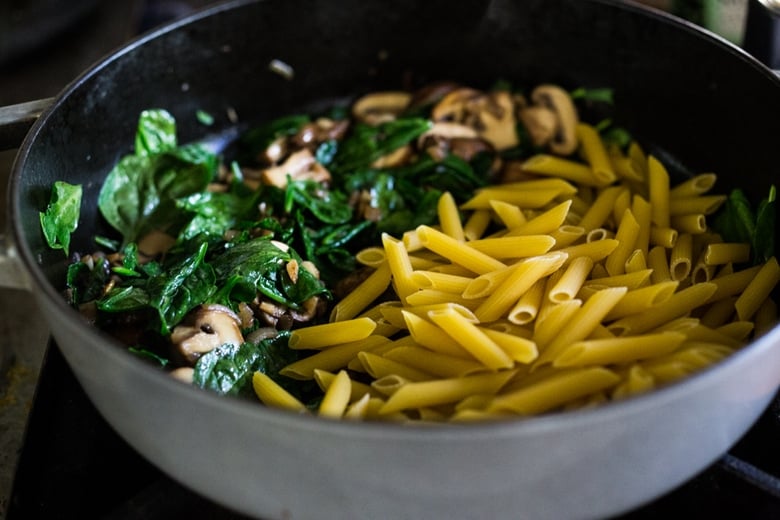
<point x="380" y="107"/>
<point x="206" y="328"/>
<point x="491" y="115"/>
<point x="300" y="165"/>
<point x="559" y="101"/>
<point x="155" y="243"/>
<point x="317" y="132"/>
<point x="541" y="123"/>
<point x="183" y="374"/>
<point x="395" y="158"/>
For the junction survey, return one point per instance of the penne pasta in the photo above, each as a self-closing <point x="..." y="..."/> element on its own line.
<point x="449" y="217"/>
<point x="555" y="390"/>
<point x="362" y="295"/>
<point x="329" y="334"/>
<point x="431" y="393"/>
<point x="272" y="394"/>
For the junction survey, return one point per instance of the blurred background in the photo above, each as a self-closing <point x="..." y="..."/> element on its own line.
<point x="46" y="44"/>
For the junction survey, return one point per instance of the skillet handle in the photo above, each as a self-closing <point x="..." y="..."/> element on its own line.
<point x="16" y="120"/>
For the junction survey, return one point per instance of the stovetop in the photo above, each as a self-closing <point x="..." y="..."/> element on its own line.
<point x="71" y="463"/>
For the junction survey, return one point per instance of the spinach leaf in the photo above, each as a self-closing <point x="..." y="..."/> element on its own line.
<point x="215" y="213"/>
<point x="736" y="221"/>
<point x="181" y="287"/>
<point x="85" y="284"/>
<point x="367" y="143"/>
<point x="140" y="192"/>
<point x="156" y="132"/>
<point x="328" y="206"/>
<point x="259" y="265"/>
<point x="228" y="369"/>
<point x="61" y="217"/>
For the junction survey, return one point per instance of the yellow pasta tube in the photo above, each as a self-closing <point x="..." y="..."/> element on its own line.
<point x="663" y="236"/>
<point x="573" y="277"/>
<point x="596" y="251"/>
<point x="733" y="284"/>
<point x="631" y="281"/>
<point x="443" y="391"/>
<point x="678" y="305"/>
<point x="548" y="325"/>
<point x="639" y="300"/>
<point x="563" y="187"/>
<point x="583" y="322"/>
<point x="719" y="312"/>
<point x="545" y="223"/>
<point x="601" y="208"/>
<point x="636" y="261"/>
<point x="432" y="337"/>
<point x="477" y="224"/>
<point x="357" y="389"/>
<point x="530" y="199"/>
<point x="471" y="338"/>
<point x="658" y="262"/>
<point x="556" y="390"/>
<point x="681" y="257"/>
<point x="527" y="308"/>
<point x="509" y="214"/>
<point x="694" y="223"/>
<point x="449" y="217"/>
<point x="362" y="295"/>
<point x="434" y="363"/>
<point x="329" y="334"/>
<point x="636" y="381"/>
<point x="457" y="252"/>
<point x="516" y="347"/>
<point x="658" y="186"/>
<point x="514" y="246"/>
<point x="758" y="290"/>
<point x="726" y="252"/>
<point x="595" y="153"/>
<point x="400" y="266"/>
<point x="358" y="409"/>
<point x="434" y="297"/>
<point x="521" y="278"/>
<point x="705" y="205"/>
<point x="618" y="350"/>
<point x="440" y="281"/>
<point x="696" y="185"/>
<point x="331" y="359"/>
<point x="626" y="235"/>
<point x="271" y="394"/>
<point x="643" y="213"/>
<point x="371" y="256"/>
<point x="543" y="164"/>
<point x="765" y="318"/>
<point x="379" y="367"/>
<point x="334" y="402"/>
<point x="566" y="235"/>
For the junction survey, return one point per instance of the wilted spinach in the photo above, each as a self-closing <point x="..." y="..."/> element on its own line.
<point x="61" y="217"/>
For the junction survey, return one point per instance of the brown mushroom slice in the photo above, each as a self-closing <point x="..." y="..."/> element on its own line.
<point x="492" y="116"/>
<point x="300" y="165"/>
<point x="540" y="122"/>
<point x="559" y="101"/>
<point x="206" y="328"/>
<point x="183" y="374"/>
<point x="395" y="158"/>
<point x="498" y="120"/>
<point x="155" y="243"/>
<point x="380" y="107"/>
<point x="457" y="106"/>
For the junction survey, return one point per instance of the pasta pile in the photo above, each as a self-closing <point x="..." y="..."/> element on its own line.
<point x="597" y="281"/>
